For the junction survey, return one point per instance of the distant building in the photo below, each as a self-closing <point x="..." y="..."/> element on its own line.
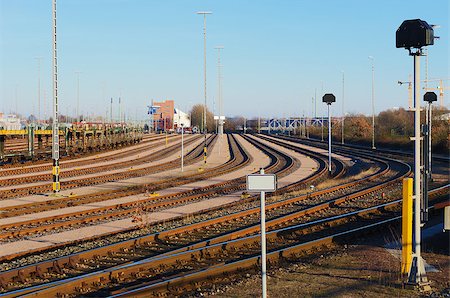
<point x="445" y="117"/>
<point x="164" y="117"/>
<point x="163" y="114"/>
<point x="10" y="122"/>
<point x="181" y="118"/>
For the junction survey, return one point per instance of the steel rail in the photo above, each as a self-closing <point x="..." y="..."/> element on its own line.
<point x="10" y="193"/>
<point x="138" y="270"/>
<point x="121" y="210"/>
<point x="145" y="145"/>
<point x="269" y="207"/>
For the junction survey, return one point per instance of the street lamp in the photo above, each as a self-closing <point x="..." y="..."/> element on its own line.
<point x="329" y="99"/>
<point x="415" y="34"/>
<point x="204" y="13"/>
<point x="373" y="102"/>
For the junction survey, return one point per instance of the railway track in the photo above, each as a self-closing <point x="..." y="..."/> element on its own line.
<point x="284" y="246"/>
<point x="16" y="150"/>
<point x="203" y="258"/>
<point x="282" y="208"/>
<point x="102" y="177"/>
<point x="70" y="162"/>
<point x="48" y="224"/>
<point x="286" y="164"/>
<point x="95" y="169"/>
<point x="238" y="159"/>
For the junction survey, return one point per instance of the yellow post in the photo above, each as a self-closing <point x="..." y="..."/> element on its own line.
<point x="407" y="225"/>
<point x="167" y="139"/>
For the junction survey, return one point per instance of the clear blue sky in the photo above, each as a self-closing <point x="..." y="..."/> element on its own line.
<point x="277" y="53"/>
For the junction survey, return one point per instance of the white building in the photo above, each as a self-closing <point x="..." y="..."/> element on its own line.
<point x="10" y="122"/>
<point x="181" y="117"/>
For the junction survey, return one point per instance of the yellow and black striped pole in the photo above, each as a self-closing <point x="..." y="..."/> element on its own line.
<point x="55" y="172"/>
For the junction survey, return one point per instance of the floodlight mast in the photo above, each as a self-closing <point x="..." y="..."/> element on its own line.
<point x="413" y="35"/>
<point x="204" y="13"/>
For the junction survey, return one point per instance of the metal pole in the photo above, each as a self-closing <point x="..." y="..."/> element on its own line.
<point x="39" y="88"/>
<point x="329" y="139"/>
<point x="55" y="132"/>
<point x="78" y="96"/>
<point x="343" y="111"/>
<point x="182" y="147"/>
<point x="315" y="103"/>
<point x="263" y="241"/>
<point x="429" y="142"/>
<point x="373" y="103"/>
<point x="204" y="13"/>
<point x="417" y="274"/>
<point x="219" y="66"/>
<point x="111" y="112"/>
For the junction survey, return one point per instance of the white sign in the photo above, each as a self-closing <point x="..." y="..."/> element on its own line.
<point x="262" y="182"/>
<point x="216" y="117"/>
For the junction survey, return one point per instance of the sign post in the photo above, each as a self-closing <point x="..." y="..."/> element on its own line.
<point x="262" y="182"/>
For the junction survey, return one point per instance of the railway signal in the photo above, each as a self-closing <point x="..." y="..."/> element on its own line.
<point x="429" y="97"/>
<point x="329" y="98"/>
<point x="413" y="35"/>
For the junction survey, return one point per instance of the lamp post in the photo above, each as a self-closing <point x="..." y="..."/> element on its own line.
<point x="413" y="35"/>
<point x="329" y="98"/>
<point x="204" y="13"/>
<point x="373" y="102"/>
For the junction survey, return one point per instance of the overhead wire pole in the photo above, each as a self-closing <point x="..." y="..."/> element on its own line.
<point x="39" y="88"/>
<point x="373" y="102"/>
<point x="78" y="96"/>
<point x="204" y="13"/>
<point x="55" y="129"/>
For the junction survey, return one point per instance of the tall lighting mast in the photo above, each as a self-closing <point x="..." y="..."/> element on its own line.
<point x="204" y="13"/>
